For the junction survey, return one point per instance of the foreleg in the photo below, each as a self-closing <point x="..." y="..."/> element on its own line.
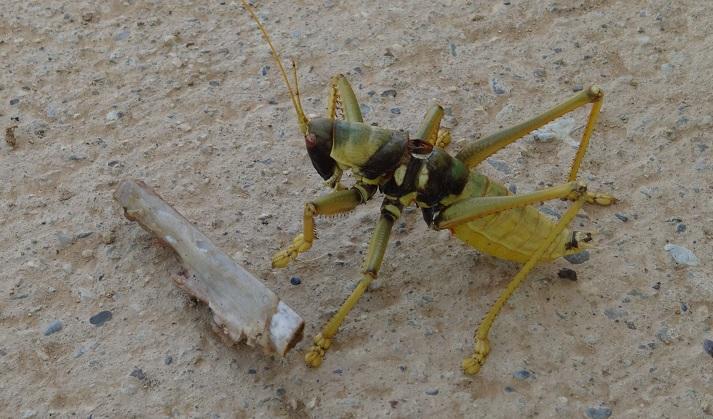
<point x="330" y="204"/>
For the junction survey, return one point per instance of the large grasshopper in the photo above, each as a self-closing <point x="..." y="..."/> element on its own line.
<point x="417" y="170"/>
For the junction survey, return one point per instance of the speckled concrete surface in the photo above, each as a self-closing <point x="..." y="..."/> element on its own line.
<point x="184" y="95"/>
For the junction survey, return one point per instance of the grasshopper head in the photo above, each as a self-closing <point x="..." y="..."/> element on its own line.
<point x="318" y="141"/>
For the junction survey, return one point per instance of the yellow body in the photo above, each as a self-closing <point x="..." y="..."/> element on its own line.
<point x="514" y="234"/>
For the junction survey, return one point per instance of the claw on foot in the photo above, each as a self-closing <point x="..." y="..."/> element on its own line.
<point x="601" y="199"/>
<point x="472" y="364"/>
<point x="284" y="257"/>
<point x="314" y="357"/>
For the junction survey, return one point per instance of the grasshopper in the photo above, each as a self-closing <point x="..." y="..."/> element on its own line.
<point x="451" y="195"/>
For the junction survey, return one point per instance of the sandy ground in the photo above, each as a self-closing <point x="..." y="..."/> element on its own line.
<point x="184" y="95"/>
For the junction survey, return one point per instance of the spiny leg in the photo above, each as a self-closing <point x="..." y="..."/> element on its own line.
<point x="477" y="151"/>
<point x="472" y="364"/>
<point x="444" y="138"/>
<point x="330" y="204"/>
<point x="342" y="100"/>
<point x="390" y="211"/>
<point x="342" y="104"/>
<point x="430" y="129"/>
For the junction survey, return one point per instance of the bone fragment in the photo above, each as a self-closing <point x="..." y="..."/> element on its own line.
<point x="244" y="309"/>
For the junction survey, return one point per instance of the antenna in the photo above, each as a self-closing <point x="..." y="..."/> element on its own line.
<point x="302" y="119"/>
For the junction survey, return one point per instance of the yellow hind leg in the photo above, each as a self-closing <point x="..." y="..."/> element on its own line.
<point x="482" y="206"/>
<point x="479" y="150"/>
<point x="472" y="364"/>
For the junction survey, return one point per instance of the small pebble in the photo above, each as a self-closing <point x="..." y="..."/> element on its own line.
<point x="578" y="258"/>
<point x="64" y="239"/>
<point x="121" y="36"/>
<point x="680" y="228"/>
<point x="509" y="389"/>
<point x="114" y="115"/>
<point x="432" y="391"/>
<point x="600" y="412"/>
<point x="664" y="336"/>
<point x="498" y="87"/>
<point x="667" y="69"/>
<point x="264" y="70"/>
<point x="559" y="129"/>
<point x="108" y="237"/>
<point x="170" y="40"/>
<point x="138" y="373"/>
<point x="338" y="371"/>
<point x="708" y="346"/>
<point x="539" y="73"/>
<point x="280" y="391"/>
<point x="295" y="280"/>
<point x="252" y="371"/>
<point x="657" y="286"/>
<point x="681" y="255"/>
<point x="499" y="165"/>
<point x="622" y="217"/>
<point x="168" y="360"/>
<point x="396" y="111"/>
<point x="14" y="101"/>
<point x="185" y="127"/>
<point x="100" y="318"/>
<point x="522" y="374"/>
<point x="614" y="313"/>
<point x="549" y="211"/>
<point x="53" y="327"/>
<point x="389" y="92"/>
<point x="567" y="273"/>
<point x="51" y="111"/>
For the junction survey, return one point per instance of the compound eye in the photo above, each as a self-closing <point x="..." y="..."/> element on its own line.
<point x="310" y="140"/>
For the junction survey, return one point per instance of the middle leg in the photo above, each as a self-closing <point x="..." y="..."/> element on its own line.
<point x="430" y="129"/>
<point x="390" y="211"/>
